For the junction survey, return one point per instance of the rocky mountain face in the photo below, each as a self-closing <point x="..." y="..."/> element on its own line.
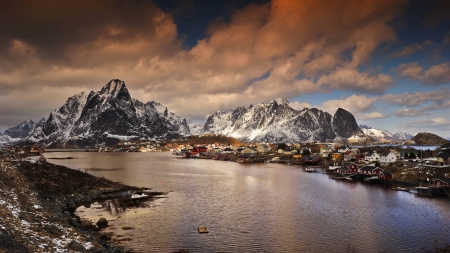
<point x="276" y="121"/>
<point x="429" y="139"/>
<point x="109" y="115"/>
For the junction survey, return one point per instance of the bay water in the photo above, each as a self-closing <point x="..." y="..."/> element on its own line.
<point x="261" y="207"/>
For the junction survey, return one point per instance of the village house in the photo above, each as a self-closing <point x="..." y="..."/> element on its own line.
<point x="227" y="151"/>
<point x="360" y="157"/>
<point x="349" y="155"/>
<point x="397" y="154"/>
<point x="249" y="151"/>
<point x="387" y="157"/>
<point x="326" y="150"/>
<point x="297" y="155"/>
<point x="370" y="170"/>
<point x="344" y="149"/>
<point x="337" y="156"/>
<point x="289" y="151"/>
<point x="263" y="148"/>
<point x="372" y="156"/>
<point x="443" y="157"/>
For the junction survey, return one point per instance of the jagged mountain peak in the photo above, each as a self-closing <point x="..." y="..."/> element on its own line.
<point x="344" y="123"/>
<point x="280" y="101"/>
<point x="365" y="127"/>
<point x="116" y="88"/>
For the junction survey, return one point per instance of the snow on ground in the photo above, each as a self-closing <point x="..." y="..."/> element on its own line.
<point x="22" y="217"/>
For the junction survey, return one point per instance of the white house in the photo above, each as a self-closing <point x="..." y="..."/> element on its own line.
<point x="372" y="156"/>
<point x="344" y="149"/>
<point x="388" y="157"/>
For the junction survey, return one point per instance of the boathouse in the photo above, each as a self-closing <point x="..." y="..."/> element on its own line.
<point x="442" y="182"/>
<point x="369" y="170"/>
<point x="199" y="149"/>
<point x="385" y="175"/>
<point x="439" y="187"/>
<point x="347" y="169"/>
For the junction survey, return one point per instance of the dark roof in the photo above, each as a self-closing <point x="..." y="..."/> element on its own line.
<point x="385" y="153"/>
<point x="368" y="168"/>
<point x="443" y="155"/>
<point x="446" y="146"/>
<point x="447" y="180"/>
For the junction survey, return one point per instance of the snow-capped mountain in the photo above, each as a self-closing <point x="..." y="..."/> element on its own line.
<point x="384" y="135"/>
<point x="276" y="121"/>
<point x="24" y="129"/>
<point x="108" y="115"/>
<point x="196" y="129"/>
<point x="403" y="135"/>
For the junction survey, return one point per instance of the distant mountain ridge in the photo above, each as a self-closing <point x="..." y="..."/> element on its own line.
<point x="24" y="129"/>
<point x="384" y="135"/>
<point x="109" y="115"/>
<point x="276" y="121"/>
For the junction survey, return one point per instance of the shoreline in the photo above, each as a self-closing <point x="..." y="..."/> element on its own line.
<point x="37" y="204"/>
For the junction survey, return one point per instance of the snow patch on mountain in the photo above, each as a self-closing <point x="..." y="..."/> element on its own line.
<point x="196" y="129"/>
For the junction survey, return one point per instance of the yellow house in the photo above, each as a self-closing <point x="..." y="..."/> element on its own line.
<point x="297" y="156"/>
<point x="336" y="156"/>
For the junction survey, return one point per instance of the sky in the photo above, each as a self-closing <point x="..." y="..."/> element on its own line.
<point x="387" y="62"/>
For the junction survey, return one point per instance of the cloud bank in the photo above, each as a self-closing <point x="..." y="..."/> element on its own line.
<point x="278" y="49"/>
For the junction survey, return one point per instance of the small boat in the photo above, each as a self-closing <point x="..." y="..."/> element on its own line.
<point x="309" y="169"/>
<point x="202" y="229"/>
<point x="401" y="189"/>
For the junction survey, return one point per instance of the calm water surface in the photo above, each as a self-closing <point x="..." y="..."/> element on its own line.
<point x="263" y="208"/>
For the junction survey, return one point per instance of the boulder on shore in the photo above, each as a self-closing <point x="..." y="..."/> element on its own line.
<point x="102" y="223"/>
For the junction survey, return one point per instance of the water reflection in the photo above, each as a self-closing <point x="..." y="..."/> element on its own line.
<point x="266" y="207"/>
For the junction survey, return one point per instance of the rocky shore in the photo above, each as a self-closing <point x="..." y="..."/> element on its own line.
<point x="37" y="204"/>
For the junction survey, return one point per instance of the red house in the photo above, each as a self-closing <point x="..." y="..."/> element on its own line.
<point x="360" y="157"/>
<point x="370" y="170"/>
<point x="384" y="175"/>
<point x="199" y="149"/>
<point x="443" y="182"/>
<point x="348" y="168"/>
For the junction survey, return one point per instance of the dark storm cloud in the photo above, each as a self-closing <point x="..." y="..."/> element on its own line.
<point x="52" y="27"/>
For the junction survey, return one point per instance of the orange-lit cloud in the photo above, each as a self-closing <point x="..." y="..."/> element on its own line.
<point x="279" y="49"/>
